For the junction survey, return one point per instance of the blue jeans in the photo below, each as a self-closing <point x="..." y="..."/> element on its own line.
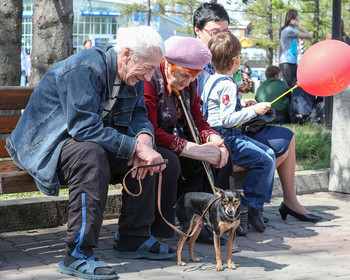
<point x="259" y="159"/>
<point x="23" y="81"/>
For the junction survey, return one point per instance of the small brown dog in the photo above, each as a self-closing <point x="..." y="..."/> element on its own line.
<point x="222" y="216"/>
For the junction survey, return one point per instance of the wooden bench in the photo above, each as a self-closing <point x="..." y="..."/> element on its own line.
<point x="12" y="101"/>
<point x="12" y="179"/>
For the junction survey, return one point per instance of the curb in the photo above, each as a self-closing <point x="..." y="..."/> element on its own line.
<point x="45" y="212"/>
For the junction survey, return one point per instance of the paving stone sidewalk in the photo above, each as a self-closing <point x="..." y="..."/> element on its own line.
<point x="286" y="250"/>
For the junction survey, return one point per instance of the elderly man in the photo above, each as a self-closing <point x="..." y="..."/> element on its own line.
<point x="85" y="121"/>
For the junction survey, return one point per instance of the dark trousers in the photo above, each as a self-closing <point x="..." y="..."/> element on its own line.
<point x="289" y="72"/>
<point x="87" y="168"/>
<point x="184" y="175"/>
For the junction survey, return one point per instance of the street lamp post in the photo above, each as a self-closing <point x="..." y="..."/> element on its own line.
<point x="149" y="13"/>
<point x="328" y="105"/>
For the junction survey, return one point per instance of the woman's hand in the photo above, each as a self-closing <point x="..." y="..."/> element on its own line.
<point x="261" y="108"/>
<point x="294" y="23"/>
<point x="214" y="138"/>
<point x="214" y="152"/>
<point x="209" y="152"/>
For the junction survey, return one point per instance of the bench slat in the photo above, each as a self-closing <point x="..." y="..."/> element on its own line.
<point x="14" y="98"/>
<point x="16" y="182"/>
<point x="8" y="166"/>
<point x="8" y="123"/>
<point x="3" y="151"/>
<point x="13" y="180"/>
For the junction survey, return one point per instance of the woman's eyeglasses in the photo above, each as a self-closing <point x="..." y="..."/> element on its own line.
<point x="214" y="32"/>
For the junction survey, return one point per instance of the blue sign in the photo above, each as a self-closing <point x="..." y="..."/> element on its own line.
<point x="99" y="13"/>
<point x="139" y="16"/>
<point x="27" y="13"/>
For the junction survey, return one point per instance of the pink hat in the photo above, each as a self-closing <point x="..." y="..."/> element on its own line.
<point x="187" y="52"/>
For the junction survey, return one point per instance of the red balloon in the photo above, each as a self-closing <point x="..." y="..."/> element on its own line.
<point x="324" y="69"/>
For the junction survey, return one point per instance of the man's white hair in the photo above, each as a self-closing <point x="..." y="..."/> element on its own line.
<point x="141" y="40"/>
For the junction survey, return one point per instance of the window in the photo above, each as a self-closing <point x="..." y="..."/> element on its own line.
<point x="236" y="32"/>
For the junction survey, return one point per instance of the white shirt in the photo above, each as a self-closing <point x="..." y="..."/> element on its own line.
<point x="222" y="103"/>
<point x="110" y="102"/>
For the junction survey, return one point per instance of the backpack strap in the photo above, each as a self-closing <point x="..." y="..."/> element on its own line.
<point x="206" y="94"/>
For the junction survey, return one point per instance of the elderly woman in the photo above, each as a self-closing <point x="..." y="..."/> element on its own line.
<point x="185" y="58"/>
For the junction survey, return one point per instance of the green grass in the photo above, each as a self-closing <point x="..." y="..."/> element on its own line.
<point x="312" y="147"/>
<point x="40" y="194"/>
<point x="312" y="150"/>
<point x="249" y="95"/>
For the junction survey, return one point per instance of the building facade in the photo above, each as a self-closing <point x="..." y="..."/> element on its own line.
<point x="99" y="20"/>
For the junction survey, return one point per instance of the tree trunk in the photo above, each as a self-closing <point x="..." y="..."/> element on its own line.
<point x="317" y="20"/>
<point x="269" y="53"/>
<point x="10" y="42"/>
<point x="52" y="35"/>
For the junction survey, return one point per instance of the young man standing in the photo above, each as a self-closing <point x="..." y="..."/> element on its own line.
<point x="209" y="19"/>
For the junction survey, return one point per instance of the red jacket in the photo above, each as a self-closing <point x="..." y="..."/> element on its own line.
<point x="154" y="93"/>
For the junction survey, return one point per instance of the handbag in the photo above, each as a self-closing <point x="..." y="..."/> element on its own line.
<point x="257" y="123"/>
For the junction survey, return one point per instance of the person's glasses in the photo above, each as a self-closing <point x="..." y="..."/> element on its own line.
<point x="213" y="33"/>
<point x="240" y="56"/>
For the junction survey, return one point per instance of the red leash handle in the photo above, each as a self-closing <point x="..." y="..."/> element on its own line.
<point x="142" y="164"/>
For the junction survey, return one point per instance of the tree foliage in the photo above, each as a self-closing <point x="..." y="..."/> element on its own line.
<point x="164" y="7"/>
<point x="311" y="10"/>
<point x="316" y="17"/>
<point x="266" y="20"/>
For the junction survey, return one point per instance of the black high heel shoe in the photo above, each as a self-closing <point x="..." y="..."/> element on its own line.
<point x="284" y="211"/>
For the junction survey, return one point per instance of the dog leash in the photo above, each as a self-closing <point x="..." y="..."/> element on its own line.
<point x="170" y="224"/>
<point x="142" y="164"/>
<point x="145" y="165"/>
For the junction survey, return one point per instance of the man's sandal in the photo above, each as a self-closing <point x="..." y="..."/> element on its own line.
<point x="143" y="252"/>
<point x="86" y="269"/>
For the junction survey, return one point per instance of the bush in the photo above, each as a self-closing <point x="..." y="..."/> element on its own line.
<point x="312" y="147"/>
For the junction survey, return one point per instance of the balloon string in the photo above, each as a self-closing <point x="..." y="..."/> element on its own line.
<point x="296" y="85"/>
<point x="278" y="98"/>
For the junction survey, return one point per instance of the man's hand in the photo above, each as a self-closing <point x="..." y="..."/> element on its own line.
<point x="145" y="152"/>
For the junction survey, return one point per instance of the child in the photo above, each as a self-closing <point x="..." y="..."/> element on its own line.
<point x="225" y="110"/>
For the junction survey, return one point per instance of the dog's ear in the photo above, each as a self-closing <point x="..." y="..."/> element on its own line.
<point x="218" y="191"/>
<point x="239" y="192"/>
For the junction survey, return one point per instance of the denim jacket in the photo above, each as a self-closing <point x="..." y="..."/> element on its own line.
<point x="68" y="103"/>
